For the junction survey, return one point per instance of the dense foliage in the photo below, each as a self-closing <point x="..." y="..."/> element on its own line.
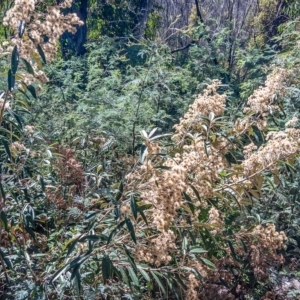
<point x="147" y="155"/>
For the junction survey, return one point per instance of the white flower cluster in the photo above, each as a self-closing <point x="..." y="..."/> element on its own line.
<point x="43" y="29"/>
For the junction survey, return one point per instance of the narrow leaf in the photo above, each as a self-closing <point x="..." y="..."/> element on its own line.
<point x="21" y="28"/>
<point x="4" y="220"/>
<point x="2" y="191"/>
<point x="130" y="258"/>
<point x="197" y="250"/>
<point x="158" y="282"/>
<point x="120" y="192"/>
<point x="133" y="277"/>
<point x="130" y="228"/>
<point x="32" y="91"/>
<point x="14" y="60"/>
<point x="133" y="206"/>
<point x="106" y="268"/>
<point x="41" y="53"/>
<point x="11" y="80"/>
<point x="145" y="275"/>
<point x="58" y="273"/>
<point x="28" y="66"/>
<point x="207" y="262"/>
<point x="114" y="231"/>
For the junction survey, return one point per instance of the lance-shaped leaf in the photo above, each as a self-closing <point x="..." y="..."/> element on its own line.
<point x="133" y="205"/>
<point x="120" y="192"/>
<point x="28" y="66"/>
<point x="6" y="260"/>
<point x="197" y="250"/>
<point x="133" y="277"/>
<point x="32" y="91"/>
<point x="41" y="53"/>
<point x="233" y="251"/>
<point x="21" y="28"/>
<point x="11" y="80"/>
<point x="130" y="228"/>
<point x="107" y="268"/>
<point x="123" y="275"/>
<point x="144" y="274"/>
<point x="2" y="191"/>
<point x="77" y="280"/>
<point x="114" y="231"/>
<point x="154" y="274"/>
<point x="4" y="220"/>
<point x="143" y="153"/>
<point x="58" y="273"/>
<point x="17" y="117"/>
<point x="6" y="147"/>
<point x="130" y="258"/>
<point x="207" y="262"/>
<point x="15" y="60"/>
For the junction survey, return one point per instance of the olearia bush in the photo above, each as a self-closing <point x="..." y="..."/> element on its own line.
<point x="180" y="216"/>
<point x="179" y="221"/>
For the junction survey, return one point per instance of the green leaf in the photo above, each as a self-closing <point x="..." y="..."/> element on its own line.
<point x="42" y="182"/>
<point x="74" y="271"/>
<point x="2" y="191"/>
<point x="107" y="268"/>
<point x="133" y="205"/>
<point x="189" y="202"/>
<point x="184" y="245"/>
<point x="58" y="273"/>
<point x="4" y="220"/>
<point x="11" y="80"/>
<point x="32" y="91"/>
<point x="130" y="258"/>
<point x="244" y="246"/>
<point x="207" y="148"/>
<point x="158" y="282"/>
<point x="152" y="132"/>
<point x="197" y="250"/>
<point x="207" y="262"/>
<point x="130" y="228"/>
<point x="196" y="192"/>
<point x="124" y="275"/>
<point x="195" y="272"/>
<point x="14" y="60"/>
<point x="79" y="260"/>
<point x="144" y="274"/>
<point x="143" y="153"/>
<point x="114" y="231"/>
<point x="233" y="252"/>
<point x="72" y="246"/>
<point x="28" y="66"/>
<point x="120" y="192"/>
<point x="141" y="211"/>
<point x="133" y="277"/>
<point x="17" y="117"/>
<point x="77" y="281"/>
<point x="7" y="260"/>
<point x="21" y="28"/>
<point x="92" y="237"/>
<point x="41" y="53"/>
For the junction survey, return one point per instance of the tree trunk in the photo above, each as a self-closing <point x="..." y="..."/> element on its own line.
<point x="143" y="13"/>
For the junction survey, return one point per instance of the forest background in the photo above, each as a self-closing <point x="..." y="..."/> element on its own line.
<point x="149" y="149"/>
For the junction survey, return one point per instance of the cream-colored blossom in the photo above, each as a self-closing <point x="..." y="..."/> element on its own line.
<point x="29" y="129"/>
<point x="37" y="26"/>
<point x="17" y="146"/>
<point x="264" y="99"/>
